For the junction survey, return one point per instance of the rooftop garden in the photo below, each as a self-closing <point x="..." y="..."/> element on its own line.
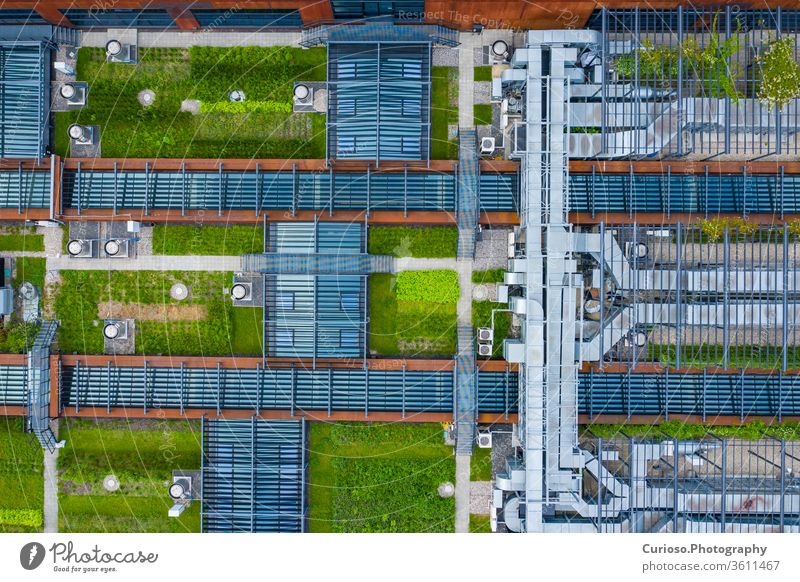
<point x="413" y="313"/>
<point x="444" y="112"/>
<point x="410" y="241"/>
<point x="367" y="477"/>
<point x="482" y="317"/>
<point x="142" y="456"/>
<point x="204" y="323"/>
<point x="19" y="238"/>
<point x="16" y="336"/>
<point x="230" y="240"/>
<point x="21" y="479"/>
<point x="176" y="126"/>
<point x="684" y="431"/>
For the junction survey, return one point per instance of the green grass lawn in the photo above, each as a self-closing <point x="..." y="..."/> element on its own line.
<point x="427" y="242"/>
<point x="262" y="126"/>
<point x="408" y="327"/>
<point x="208" y="240"/>
<point x="21" y="239"/>
<point x="490" y="276"/>
<point x="479" y="524"/>
<point x="482" y="113"/>
<point x="481" y="465"/>
<point x="483" y="74"/>
<point x="142" y="455"/>
<point x="677" y="429"/>
<point x="31" y="269"/>
<point x="368" y="477"/>
<point x="444" y="111"/>
<point x="21" y="480"/>
<point x="482" y="317"/>
<point x="220" y="332"/>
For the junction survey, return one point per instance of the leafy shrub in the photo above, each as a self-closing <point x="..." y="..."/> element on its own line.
<point x="22" y="517"/>
<point x="714" y="229"/>
<point x="247" y="106"/>
<point x="433" y="286"/>
<point x="780" y="74"/>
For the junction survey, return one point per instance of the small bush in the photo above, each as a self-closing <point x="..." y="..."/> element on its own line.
<point x="22" y="517"/>
<point x="238" y="107"/>
<point x="433" y="286"/>
<point x="780" y="74"/>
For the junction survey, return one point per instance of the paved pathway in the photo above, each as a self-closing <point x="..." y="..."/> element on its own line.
<point x="414" y="264"/>
<point x="150" y="263"/>
<point x="466" y="121"/>
<point x="210" y="37"/>
<point x="51" y="487"/>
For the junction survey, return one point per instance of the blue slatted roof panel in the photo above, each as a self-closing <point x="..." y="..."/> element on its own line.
<point x="285" y="190"/>
<point x="685" y="193"/>
<point x="254" y="476"/>
<point x="24" y="189"/>
<point x="24" y="78"/>
<point x="13" y="385"/>
<point x="379" y="101"/>
<point x="332" y="238"/>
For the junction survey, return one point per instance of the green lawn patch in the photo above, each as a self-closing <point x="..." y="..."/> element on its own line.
<point x="444" y="112"/>
<point x="429" y="286"/>
<point x="428" y="242"/>
<point x="262" y="126"/>
<point x="482" y="317"/>
<point x="31" y="269"/>
<point x="21" y="239"/>
<point x="482" y="113"/>
<point x="219" y="332"/>
<point x="483" y="73"/>
<point x="367" y="477"/>
<point x="21" y="480"/>
<point x="680" y="430"/>
<point x="479" y="524"/>
<point x="706" y="355"/>
<point x="481" y="465"/>
<point x="228" y="240"/>
<point x="142" y="455"/>
<point x="490" y="276"/>
<point x="248" y="330"/>
<point x="408" y="327"/>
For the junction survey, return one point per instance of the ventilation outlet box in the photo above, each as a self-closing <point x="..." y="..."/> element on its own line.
<point x="484" y="349"/>
<point x="484" y="440"/>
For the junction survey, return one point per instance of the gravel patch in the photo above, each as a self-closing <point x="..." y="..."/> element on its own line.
<point x="482" y="92"/>
<point x="491" y="249"/>
<point x="445" y="57"/>
<point x="144" y="246"/>
<point x="480" y="496"/>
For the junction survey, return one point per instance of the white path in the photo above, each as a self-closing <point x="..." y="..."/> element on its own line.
<point x="51" y="487"/>
<point x="147" y="263"/>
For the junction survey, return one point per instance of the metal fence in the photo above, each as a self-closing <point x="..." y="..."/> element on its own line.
<point x="694" y="82"/>
<point x="720" y="293"/>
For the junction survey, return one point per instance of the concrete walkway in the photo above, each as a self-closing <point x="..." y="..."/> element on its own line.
<point x="207" y="37"/>
<point x="414" y="264"/>
<point x="51" y="487"/>
<point x="466" y="122"/>
<point x="150" y="263"/>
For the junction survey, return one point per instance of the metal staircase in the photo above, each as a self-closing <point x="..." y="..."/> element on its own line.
<point x="467" y="179"/>
<point x="38" y="419"/>
<point x="466" y="392"/>
<point x="317" y="264"/>
<point x="379" y="31"/>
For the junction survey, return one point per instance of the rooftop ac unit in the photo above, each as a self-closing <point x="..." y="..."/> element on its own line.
<point x="303" y="94"/>
<point x="242" y="291"/>
<point x="487" y="146"/>
<point x="485" y="334"/>
<point x="485" y="440"/>
<point x="115" y="330"/>
<point x="485" y="350"/>
<point x="79" y="248"/>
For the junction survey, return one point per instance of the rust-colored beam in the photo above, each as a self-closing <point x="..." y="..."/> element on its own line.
<point x="586" y="218"/>
<point x="183" y="17"/>
<point x="54" y="386"/>
<point x="678" y="167"/>
<point x="686" y="418"/>
<point x="13" y="360"/>
<point x="13" y="411"/>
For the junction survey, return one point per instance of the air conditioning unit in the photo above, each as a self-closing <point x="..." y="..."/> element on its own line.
<point x="303" y="94"/>
<point x="242" y="291"/>
<point x="485" y="334"/>
<point x="487" y="146"/>
<point x="485" y="440"/>
<point x="115" y="329"/>
<point x="181" y="488"/>
<point x="499" y="51"/>
<point x="116" y="248"/>
<point x="81" y="249"/>
<point x="117" y="52"/>
<point x="485" y="350"/>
